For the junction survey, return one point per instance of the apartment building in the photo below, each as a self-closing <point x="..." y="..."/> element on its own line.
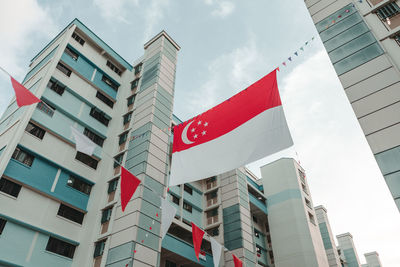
<point x="362" y="39"/>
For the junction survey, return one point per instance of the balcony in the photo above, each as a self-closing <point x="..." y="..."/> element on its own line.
<point x="212" y="201"/>
<point x="212" y="220"/>
<point x="258" y="203"/>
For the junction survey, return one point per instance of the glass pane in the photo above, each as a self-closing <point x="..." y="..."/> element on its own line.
<point x="346" y="36"/>
<point x="393" y="182"/>
<point x="389" y="161"/>
<point x="339" y="27"/>
<point x="351" y="47"/>
<point x="358" y="58"/>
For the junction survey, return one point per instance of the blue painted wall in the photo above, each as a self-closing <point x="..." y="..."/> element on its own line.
<point x="184" y="249"/>
<point x="196" y="201"/>
<point x="15" y="242"/>
<point x="85" y="67"/>
<point x="259" y="187"/>
<point x="41" y="176"/>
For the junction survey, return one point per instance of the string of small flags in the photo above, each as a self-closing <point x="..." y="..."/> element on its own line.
<point x="295" y="54"/>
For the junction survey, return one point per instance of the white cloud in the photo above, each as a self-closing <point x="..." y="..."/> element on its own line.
<point x="222" y="8"/>
<point x="22" y="23"/>
<point x="152" y="16"/>
<point x="228" y="74"/>
<point x="115" y="9"/>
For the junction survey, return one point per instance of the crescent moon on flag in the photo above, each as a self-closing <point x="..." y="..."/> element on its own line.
<point x="184" y="134"/>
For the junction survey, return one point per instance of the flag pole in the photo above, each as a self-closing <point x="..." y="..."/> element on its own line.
<point x="6" y="72"/>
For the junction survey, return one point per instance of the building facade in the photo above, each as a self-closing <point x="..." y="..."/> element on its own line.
<point x="60" y="207"/>
<point x="347" y="250"/>
<point x="362" y="39"/>
<point x="372" y="259"/>
<point x="327" y="237"/>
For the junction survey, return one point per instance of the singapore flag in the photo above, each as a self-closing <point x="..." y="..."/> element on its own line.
<point x="247" y="127"/>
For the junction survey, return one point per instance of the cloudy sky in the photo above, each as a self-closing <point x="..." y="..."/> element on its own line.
<point x="226" y="46"/>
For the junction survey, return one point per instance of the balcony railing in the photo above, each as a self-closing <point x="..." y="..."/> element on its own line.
<point x="45" y="108"/>
<point x="211" y="184"/>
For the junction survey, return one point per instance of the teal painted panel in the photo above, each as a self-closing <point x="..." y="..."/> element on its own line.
<point x="71" y="106"/>
<point x="41" y="176"/>
<point x="167" y="96"/>
<point x="144" y="86"/>
<point x="232" y="235"/>
<point x="321" y="26"/>
<point x="325" y="235"/>
<point x="393" y="182"/>
<point x="389" y="160"/>
<point x="284" y="196"/>
<point x="162" y="116"/>
<point x="350" y="257"/>
<point x="153" y="184"/>
<point x="185" y="250"/>
<point x="40" y="64"/>
<point x="119" y="253"/>
<point x="195" y="199"/>
<point x="231" y="210"/>
<point x="352" y="47"/>
<point x="86" y="68"/>
<point x="258" y="203"/>
<point x="257" y="186"/>
<point x="338" y="28"/>
<point x="175" y="190"/>
<point x="137" y="169"/>
<point x="260" y="240"/>
<point x="166" y="53"/>
<point x="148" y="238"/>
<point x="149" y="75"/>
<point x="195" y="217"/>
<point x="159" y="123"/>
<point x="358" y="58"/>
<point x="232" y="226"/>
<point x="151" y="197"/>
<point x="234" y="244"/>
<point x="139" y="158"/>
<point x="232" y="218"/>
<point x="346" y="36"/>
<point x="15" y="242"/>
<point x="150" y="209"/>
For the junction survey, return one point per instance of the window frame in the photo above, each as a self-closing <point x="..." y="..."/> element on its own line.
<point x="40" y="132"/>
<point x="64" y="69"/>
<point x="78" y="38"/>
<point x="99" y="115"/>
<point x="112" y="185"/>
<point x="187" y="207"/>
<point x="76" y="180"/>
<point x="97" y="139"/>
<point x="98" y="251"/>
<point x="61" y="251"/>
<point x="103" y="98"/>
<point x="55" y="86"/>
<point x="9" y="187"/>
<point x="188" y="189"/>
<point x="174" y="198"/>
<point x="110" y="82"/>
<point x="70" y="52"/>
<point x="82" y="157"/>
<point x="28" y="157"/>
<point x="71" y="214"/>
<point x="114" y="68"/>
<point x="3" y="223"/>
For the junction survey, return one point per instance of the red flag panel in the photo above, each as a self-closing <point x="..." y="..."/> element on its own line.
<point x="237" y="261"/>
<point x="197" y="239"/>
<point x="24" y="96"/>
<point x="129" y="184"/>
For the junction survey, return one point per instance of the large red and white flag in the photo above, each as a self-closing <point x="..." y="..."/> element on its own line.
<point x="247" y="127"/>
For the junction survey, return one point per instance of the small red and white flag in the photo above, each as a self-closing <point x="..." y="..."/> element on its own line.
<point x="247" y="127"/>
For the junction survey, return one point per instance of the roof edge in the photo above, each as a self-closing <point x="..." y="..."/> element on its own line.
<point x="165" y="34"/>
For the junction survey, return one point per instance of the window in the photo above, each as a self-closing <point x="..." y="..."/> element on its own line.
<point x="79" y="185"/>
<point x="70" y="214"/>
<point x="256" y="233"/>
<point x="35" y="130"/>
<point x="9" y="187"/>
<point x="186" y="222"/>
<point x="211" y="182"/>
<point x="311" y="217"/>
<point x="397" y="38"/>
<point x="170" y="263"/>
<point x="212" y="216"/>
<point x="258" y="250"/>
<point x="131" y="99"/>
<point x="78" y="38"/>
<point x="99" y="115"/>
<point x="60" y="247"/>
<point x="213" y="231"/>
<point x="127" y="117"/>
<point x="99" y="248"/>
<point x="86" y="159"/>
<point x="64" y="69"/>
<point x="71" y="53"/>
<point x="46" y="108"/>
<point x="175" y="199"/>
<point x="255" y="219"/>
<point x="308" y="203"/>
<point x="304" y="188"/>
<point x="188" y="189"/>
<point x="138" y="69"/>
<point x="212" y="198"/>
<point x="23" y="157"/>
<point x="106" y="215"/>
<point x="118" y="159"/>
<point x="122" y="138"/>
<point x="114" y="68"/>
<point x="94" y="137"/>
<point x="56" y="87"/>
<point x="110" y="83"/>
<point x="112" y="186"/>
<point x="187" y="207"/>
<point x="134" y="84"/>
<point x="388" y="11"/>
<point x="302" y="176"/>
<point x="105" y="99"/>
<point x="2" y="225"/>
